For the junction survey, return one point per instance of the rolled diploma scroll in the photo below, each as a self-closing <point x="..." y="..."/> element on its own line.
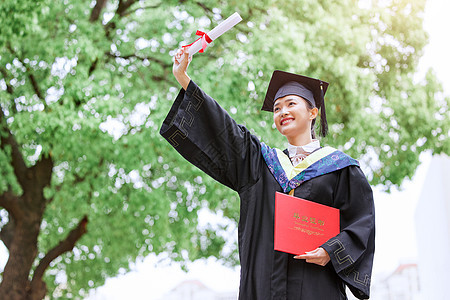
<point x="220" y="29"/>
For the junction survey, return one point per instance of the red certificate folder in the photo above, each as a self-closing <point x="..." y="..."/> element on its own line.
<point x="302" y="225"/>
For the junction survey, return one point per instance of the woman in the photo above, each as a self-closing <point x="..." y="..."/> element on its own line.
<point x="200" y="130"/>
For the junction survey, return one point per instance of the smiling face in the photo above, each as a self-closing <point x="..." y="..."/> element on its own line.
<point x="292" y="117"/>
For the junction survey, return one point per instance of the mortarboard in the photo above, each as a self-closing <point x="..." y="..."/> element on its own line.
<point x="311" y="89"/>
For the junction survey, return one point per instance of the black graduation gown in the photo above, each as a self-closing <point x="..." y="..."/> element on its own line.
<point x="203" y="132"/>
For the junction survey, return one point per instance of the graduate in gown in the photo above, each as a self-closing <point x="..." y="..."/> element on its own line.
<point x="205" y="134"/>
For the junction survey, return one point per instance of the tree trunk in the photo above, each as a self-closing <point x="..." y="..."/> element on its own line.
<point x="22" y="253"/>
<point x="26" y="212"/>
<point x="16" y="282"/>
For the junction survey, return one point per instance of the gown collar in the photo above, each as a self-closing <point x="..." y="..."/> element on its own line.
<point x="298" y="153"/>
<point x="308" y="148"/>
<point x="322" y="161"/>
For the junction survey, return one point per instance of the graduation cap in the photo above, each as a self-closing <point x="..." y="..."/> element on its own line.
<point x="311" y="89"/>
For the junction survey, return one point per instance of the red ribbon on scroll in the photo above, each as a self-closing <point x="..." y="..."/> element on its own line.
<point x="205" y="40"/>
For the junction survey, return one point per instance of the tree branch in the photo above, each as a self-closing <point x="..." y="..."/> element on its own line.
<point x="205" y="8"/>
<point x="156" y="60"/>
<point x="93" y="66"/>
<point x="64" y="246"/>
<point x="33" y="80"/>
<point x="7" y="232"/>
<point x="120" y="11"/>
<point x="35" y="86"/>
<point x="12" y="205"/>
<point x="123" y="6"/>
<point x="42" y="171"/>
<point x="127" y="13"/>
<point x="96" y="10"/>
<point x="6" y="138"/>
<point x="9" y="88"/>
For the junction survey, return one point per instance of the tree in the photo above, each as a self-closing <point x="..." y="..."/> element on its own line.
<point x="88" y="185"/>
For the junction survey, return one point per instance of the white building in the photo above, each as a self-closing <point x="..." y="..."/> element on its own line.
<point x="196" y="290"/>
<point x="402" y="284"/>
<point x="433" y="230"/>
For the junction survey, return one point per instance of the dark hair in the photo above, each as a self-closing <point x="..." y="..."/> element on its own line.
<point x="311" y="106"/>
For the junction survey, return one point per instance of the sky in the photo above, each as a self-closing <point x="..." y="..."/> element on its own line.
<point x="395" y="240"/>
<point x="437" y="23"/>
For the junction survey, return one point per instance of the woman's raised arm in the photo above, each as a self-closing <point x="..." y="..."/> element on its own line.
<point x="180" y="68"/>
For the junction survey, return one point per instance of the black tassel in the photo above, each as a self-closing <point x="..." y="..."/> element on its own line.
<point x="323" y="115"/>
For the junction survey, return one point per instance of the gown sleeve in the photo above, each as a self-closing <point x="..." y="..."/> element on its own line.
<point x="351" y="251"/>
<point x="205" y="134"/>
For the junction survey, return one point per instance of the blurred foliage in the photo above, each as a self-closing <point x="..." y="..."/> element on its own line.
<point x="93" y="96"/>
